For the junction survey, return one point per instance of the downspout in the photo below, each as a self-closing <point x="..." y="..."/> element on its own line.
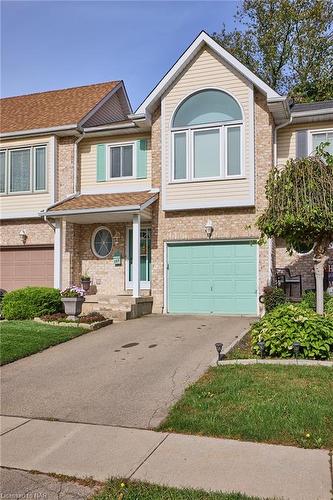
<point x="79" y="139"/>
<point x="270" y="241"/>
<point x="48" y="222"/>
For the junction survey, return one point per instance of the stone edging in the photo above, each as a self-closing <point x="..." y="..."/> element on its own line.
<point x="254" y="361"/>
<point x="87" y="326"/>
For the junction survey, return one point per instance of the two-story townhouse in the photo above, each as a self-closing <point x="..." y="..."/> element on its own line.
<point x="157" y="206"/>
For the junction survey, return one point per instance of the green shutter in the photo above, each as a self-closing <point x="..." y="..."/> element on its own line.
<point x="101" y="162"/>
<point x="141" y="159"/>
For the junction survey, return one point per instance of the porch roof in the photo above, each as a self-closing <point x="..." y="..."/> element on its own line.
<point x="89" y="208"/>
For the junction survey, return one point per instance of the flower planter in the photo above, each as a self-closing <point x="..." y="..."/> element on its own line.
<point x="86" y="284"/>
<point x="73" y="306"/>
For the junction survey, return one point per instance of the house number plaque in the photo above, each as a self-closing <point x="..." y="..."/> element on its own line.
<point x="117" y="259"/>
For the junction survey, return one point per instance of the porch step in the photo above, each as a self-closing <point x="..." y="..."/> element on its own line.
<point x="122" y="307"/>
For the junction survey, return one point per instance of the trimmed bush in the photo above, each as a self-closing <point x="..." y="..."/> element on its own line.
<point x="309" y="299"/>
<point x="329" y="307"/>
<point x="30" y="302"/>
<point x="272" y="297"/>
<point x="289" y="323"/>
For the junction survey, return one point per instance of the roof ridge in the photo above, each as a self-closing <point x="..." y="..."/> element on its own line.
<point x="116" y="82"/>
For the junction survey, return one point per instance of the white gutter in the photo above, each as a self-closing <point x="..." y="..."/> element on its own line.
<point x="48" y="222"/>
<point x="101" y="128"/>
<point x="270" y="240"/>
<point x="37" y="131"/>
<point x="76" y="143"/>
<point x="315" y="112"/>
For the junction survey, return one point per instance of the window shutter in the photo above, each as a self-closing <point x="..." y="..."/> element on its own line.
<point x="101" y="163"/>
<point x="301" y="143"/>
<point x="141" y="159"/>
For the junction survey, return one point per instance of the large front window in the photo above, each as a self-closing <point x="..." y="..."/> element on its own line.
<point x="121" y="160"/>
<point x="207" y="137"/>
<point x="23" y="170"/>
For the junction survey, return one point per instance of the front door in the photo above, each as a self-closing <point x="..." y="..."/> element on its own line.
<point x="145" y="258"/>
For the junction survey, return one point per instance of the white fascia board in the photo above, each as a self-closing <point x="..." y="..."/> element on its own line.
<point x="315" y="112"/>
<point x="32" y="214"/>
<point x="202" y="39"/>
<point x="197" y="205"/>
<point x="39" y="131"/>
<point x="82" y="211"/>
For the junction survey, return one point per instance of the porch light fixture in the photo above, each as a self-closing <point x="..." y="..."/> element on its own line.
<point x="23" y="235"/>
<point x="296" y="346"/>
<point x="115" y="238"/>
<point x="219" y="347"/>
<point x="261" y="345"/>
<point x="209" y="229"/>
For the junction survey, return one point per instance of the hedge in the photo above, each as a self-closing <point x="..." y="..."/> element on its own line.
<point x="31" y="302"/>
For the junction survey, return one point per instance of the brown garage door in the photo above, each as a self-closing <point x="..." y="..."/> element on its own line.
<point x="26" y="267"/>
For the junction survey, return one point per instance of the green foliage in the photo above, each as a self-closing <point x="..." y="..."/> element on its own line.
<point x="309" y="300"/>
<point x="300" y="203"/>
<point x="273" y="297"/>
<point x="329" y="307"/>
<point x="286" y="43"/>
<point x="30" y="302"/>
<point x="290" y="323"/>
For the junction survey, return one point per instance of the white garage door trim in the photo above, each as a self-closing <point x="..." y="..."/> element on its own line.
<point x="193" y="242"/>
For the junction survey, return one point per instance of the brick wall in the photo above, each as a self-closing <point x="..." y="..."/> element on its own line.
<point x="65" y="161"/>
<point x="38" y="232"/>
<point x="228" y="222"/>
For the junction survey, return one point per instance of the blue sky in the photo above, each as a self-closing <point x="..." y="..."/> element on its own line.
<point x="55" y="44"/>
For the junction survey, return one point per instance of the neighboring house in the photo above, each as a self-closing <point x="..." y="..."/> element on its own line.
<point x="88" y="186"/>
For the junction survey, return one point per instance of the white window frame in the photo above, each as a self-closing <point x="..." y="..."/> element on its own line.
<point x="108" y="160"/>
<point x="222" y="127"/>
<point x="32" y="167"/>
<point x="93" y="249"/>
<point x="311" y="133"/>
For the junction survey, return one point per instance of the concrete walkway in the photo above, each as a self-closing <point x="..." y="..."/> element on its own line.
<point x="102" y="452"/>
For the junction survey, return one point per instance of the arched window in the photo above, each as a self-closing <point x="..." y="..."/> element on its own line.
<point x="207" y="137"/>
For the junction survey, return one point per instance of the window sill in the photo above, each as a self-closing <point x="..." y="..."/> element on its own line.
<point x="23" y="193"/>
<point x="220" y="179"/>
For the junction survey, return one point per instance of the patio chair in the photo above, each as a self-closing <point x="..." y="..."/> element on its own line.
<point x="285" y="280"/>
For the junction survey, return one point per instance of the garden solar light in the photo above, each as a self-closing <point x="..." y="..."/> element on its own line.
<point x="296" y="346"/>
<point x="219" y="348"/>
<point x="261" y="345"/>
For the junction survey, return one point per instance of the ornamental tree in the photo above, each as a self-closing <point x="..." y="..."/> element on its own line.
<point x="300" y="209"/>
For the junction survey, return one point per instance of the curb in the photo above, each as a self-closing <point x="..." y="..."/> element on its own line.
<point x="254" y="361"/>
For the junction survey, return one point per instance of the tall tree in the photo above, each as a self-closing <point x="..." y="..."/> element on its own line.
<point x="287" y="43"/>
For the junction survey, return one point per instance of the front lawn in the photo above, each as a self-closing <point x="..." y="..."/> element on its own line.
<point x="289" y="405"/>
<point x="134" y="490"/>
<point x="22" y="338"/>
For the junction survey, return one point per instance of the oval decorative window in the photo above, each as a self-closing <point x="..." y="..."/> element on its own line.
<point x="303" y="248"/>
<point x="102" y="242"/>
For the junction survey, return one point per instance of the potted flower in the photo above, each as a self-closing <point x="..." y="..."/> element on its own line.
<point x="73" y="298"/>
<point x="85" y="282"/>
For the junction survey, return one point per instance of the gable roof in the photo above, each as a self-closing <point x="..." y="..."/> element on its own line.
<point x="55" y="108"/>
<point x="202" y="39"/>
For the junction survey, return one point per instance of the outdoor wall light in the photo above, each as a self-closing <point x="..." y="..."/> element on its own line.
<point x="23" y="235"/>
<point x="116" y="238"/>
<point x="219" y="347"/>
<point x="296" y="346"/>
<point x="209" y="228"/>
<point x="261" y="345"/>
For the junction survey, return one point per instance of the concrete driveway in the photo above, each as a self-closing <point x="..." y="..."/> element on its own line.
<point x="126" y="374"/>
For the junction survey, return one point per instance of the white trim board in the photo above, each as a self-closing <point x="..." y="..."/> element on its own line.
<point x="195" y="205"/>
<point x="202" y="39"/>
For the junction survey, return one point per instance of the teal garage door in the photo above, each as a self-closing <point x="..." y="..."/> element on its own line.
<point x="210" y="278"/>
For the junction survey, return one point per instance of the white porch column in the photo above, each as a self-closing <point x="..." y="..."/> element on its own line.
<point x="136" y="256"/>
<point x="58" y="254"/>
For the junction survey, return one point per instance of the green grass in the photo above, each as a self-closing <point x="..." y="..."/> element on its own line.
<point x="289" y="405"/>
<point x="22" y="338"/>
<point x="134" y="490"/>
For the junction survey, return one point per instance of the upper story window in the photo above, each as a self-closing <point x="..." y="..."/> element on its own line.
<point x="23" y="170"/>
<point x="322" y="136"/>
<point x="121" y="160"/>
<point x="207" y="137"/>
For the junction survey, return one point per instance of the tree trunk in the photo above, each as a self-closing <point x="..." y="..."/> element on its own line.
<point x="319" y="275"/>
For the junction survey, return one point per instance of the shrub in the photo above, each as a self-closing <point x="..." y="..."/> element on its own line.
<point x="309" y="299"/>
<point x="289" y="323"/>
<point x="272" y="297"/>
<point x="29" y="302"/>
<point x="329" y="306"/>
